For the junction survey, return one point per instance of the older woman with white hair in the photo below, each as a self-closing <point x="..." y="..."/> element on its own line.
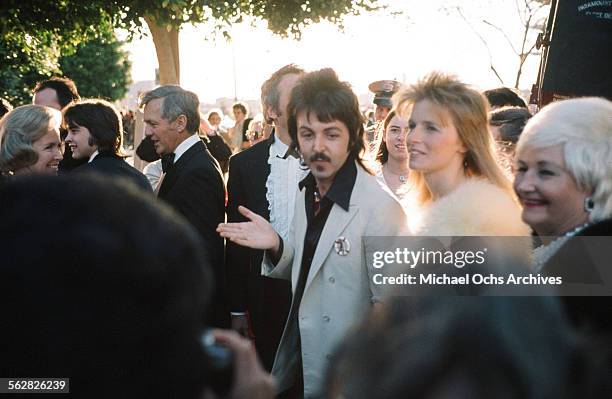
<point x="30" y="140"/>
<point x="563" y="178"/>
<point x="563" y="172"/>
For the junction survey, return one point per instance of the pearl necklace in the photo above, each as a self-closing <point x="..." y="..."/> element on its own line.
<point x="543" y="253"/>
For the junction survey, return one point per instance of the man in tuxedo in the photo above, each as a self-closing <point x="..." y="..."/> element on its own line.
<point x="58" y="93"/>
<point x="95" y="133"/>
<point x="324" y="255"/>
<point x="191" y="181"/>
<point x="263" y="178"/>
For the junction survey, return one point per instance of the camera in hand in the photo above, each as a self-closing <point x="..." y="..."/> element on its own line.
<point x="220" y="361"/>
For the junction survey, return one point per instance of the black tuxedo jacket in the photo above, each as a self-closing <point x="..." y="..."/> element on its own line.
<point x="266" y="299"/>
<point x="194" y="187"/>
<point x="115" y="167"/>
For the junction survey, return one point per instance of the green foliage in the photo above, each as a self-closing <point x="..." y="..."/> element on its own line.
<point x="284" y="17"/>
<point x="69" y="21"/>
<point x="99" y="68"/>
<point x="23" y="64"/>
<point x="33" y="32"/>
<point x="63" y="21"/>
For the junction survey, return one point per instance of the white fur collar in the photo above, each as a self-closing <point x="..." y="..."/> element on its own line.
<point x="475" y="208"/>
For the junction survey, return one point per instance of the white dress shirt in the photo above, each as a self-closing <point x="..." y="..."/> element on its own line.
<point x="156" y="167"/>
<point x="185" y="145"/>
<point x="153" y="172"/>
<point x="92" y="156"/>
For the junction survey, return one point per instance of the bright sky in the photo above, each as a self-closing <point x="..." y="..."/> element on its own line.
<point x="372" y="47"/>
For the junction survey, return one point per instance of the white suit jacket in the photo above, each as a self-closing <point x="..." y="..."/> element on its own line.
<point x="339" y="290"/>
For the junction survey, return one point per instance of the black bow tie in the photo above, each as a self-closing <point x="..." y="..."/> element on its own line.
<point x="167" y="161"/>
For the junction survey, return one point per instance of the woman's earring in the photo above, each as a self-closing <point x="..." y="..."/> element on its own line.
<point x="589" y="204"/>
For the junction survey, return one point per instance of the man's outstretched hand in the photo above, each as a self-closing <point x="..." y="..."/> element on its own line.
<point x="257" y="233"/>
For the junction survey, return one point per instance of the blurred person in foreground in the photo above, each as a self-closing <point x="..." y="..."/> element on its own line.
<point x="58" y="93"/>
<point x="460" y="348"/>
<point x="392" y="155"/>
<point x="95" y="132"/>
<point x="123" y="315"/>
<point x="563" y="178"/>
<point x="323" y="256"/>
<point x="30" y="141"/>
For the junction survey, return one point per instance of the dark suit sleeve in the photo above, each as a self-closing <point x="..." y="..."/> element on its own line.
<point x="200" y="197"/>
<point x="236" y="256"/>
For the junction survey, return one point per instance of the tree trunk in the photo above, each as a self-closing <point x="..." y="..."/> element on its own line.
<point x="167" y="48"/>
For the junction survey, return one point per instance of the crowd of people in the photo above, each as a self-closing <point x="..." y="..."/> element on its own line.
<point x="236" y="263"/>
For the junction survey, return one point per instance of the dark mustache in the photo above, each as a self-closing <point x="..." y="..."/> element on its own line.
<point x="319" y="156"/>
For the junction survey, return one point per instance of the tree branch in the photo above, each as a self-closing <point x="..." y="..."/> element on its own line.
<point x="503" y="33"/>
<point x="518" y="11"/>
<point x="492" y="67"/>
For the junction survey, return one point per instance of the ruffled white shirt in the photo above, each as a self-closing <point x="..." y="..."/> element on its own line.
<point x="282" y="186"/>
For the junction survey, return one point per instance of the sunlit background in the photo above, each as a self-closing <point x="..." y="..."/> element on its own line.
<point x="403" y="42"/>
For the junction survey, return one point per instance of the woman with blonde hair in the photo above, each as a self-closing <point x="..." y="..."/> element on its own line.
<point x="30" y="140"/>
<point x="459" y="187"/>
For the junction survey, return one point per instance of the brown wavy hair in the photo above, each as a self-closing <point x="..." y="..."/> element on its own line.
<point x="322" y="93"/>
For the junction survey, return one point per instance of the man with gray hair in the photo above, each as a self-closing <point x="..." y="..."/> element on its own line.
<point x="191" y="181"/>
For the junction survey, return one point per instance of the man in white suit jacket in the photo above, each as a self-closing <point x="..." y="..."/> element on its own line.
<point x="340" y="202"/>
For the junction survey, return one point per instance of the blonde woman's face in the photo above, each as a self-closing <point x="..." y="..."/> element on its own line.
<point x="49" y="150"/>
<point x="433" y="142"/>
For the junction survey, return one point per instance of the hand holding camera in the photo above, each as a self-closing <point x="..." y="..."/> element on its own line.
<point x="231" y="353"/>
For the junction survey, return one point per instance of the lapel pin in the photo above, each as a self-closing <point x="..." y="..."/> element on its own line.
<point x="342" y="246"/>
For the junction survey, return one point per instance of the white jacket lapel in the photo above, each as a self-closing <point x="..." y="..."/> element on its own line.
<point x="336" y="222"/>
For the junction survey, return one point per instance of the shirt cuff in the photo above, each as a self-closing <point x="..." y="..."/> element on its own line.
<point x="275" y="257"/>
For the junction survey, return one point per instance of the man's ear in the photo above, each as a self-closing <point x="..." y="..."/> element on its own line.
<point x="181" y="123"/>
<point x="271" y="112"/>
